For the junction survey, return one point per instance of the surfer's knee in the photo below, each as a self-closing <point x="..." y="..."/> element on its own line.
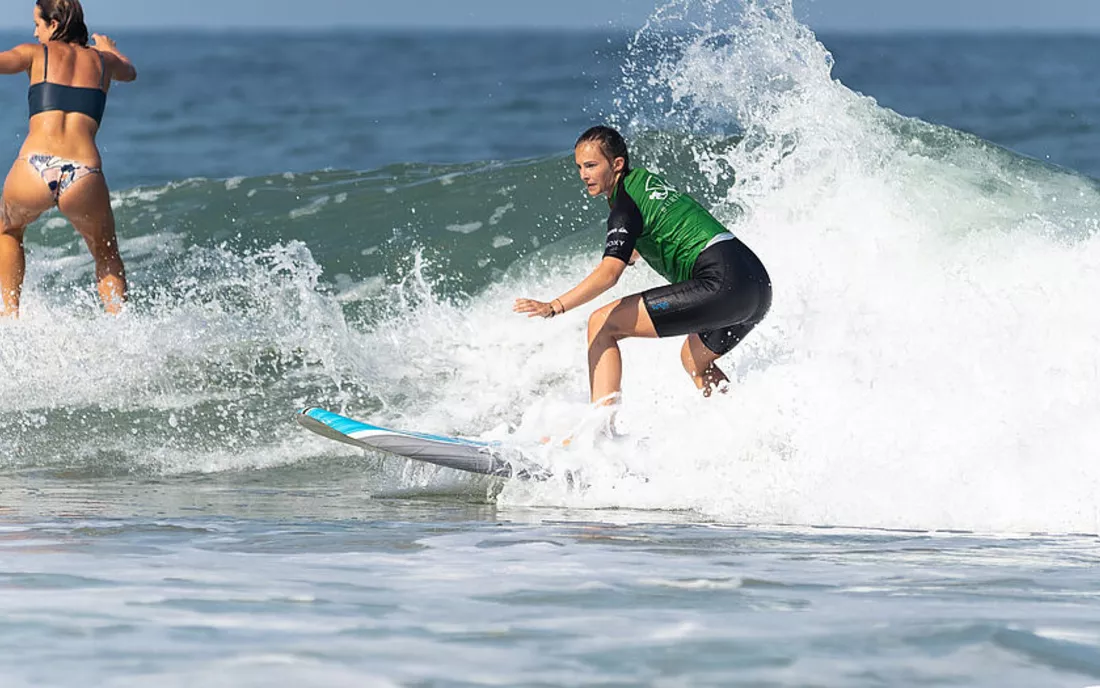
<point x="599" y="326"/>
<point x="609" y="323"/>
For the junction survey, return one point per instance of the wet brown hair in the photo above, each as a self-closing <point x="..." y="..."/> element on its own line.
<point x="69" y="16"/>
<point x="611" y="143"/>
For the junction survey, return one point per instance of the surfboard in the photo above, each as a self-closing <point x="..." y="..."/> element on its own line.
<point x="472" y="456"/>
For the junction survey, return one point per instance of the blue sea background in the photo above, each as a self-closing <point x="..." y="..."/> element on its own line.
<point x="901" y="489"/>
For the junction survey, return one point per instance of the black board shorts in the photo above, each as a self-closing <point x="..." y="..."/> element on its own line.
<point x="728" y="294"/>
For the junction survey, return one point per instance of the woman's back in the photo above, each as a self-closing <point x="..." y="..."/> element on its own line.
<point x="67" y="96"/>
<point x="70" y="70"/>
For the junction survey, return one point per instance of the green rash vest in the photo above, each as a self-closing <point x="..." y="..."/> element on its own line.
<point x="668" y="228"/>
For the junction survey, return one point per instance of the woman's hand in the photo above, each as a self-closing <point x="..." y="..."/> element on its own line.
<point x="606" y="274"/>
<point x="101" y="42"/>
<point x="121" y="67"/>
<point x="534" y="308"/>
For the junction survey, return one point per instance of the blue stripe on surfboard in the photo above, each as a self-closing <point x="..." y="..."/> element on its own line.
<point x="348" y="426"/>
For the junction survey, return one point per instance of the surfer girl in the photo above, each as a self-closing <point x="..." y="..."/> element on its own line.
<point x="59" y="164"/>
<point x="718" y="291"/>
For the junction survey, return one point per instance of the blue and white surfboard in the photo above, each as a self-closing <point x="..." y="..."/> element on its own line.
<point x="472" y="456"/>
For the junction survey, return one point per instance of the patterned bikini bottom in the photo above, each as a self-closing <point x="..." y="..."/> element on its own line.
<point x="59" y="173"/>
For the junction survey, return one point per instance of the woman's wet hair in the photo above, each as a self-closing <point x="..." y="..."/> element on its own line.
<point x="69" y="16"/>
<point x="611" y="143"/>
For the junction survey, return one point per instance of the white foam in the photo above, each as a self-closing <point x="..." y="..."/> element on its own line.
<point x="465" y="228"/>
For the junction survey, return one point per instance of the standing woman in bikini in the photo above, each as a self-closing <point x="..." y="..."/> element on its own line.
<point x="59" y="163"/>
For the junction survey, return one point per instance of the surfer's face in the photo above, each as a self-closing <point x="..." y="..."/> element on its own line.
<point x="43" y="30"/>
<point x="597" y="172"/>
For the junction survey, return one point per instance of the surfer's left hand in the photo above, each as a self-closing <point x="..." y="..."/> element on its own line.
<point x="103" y="43"/>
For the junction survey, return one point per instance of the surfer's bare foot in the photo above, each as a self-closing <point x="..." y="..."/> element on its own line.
<point x="722" y="387"/>
<point x="713" y="380"/>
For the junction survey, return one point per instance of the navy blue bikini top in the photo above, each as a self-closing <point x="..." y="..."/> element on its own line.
<point x="45" y="96"/>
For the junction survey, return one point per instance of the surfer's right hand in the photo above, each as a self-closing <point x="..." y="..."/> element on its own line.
<point x="534" y="308"/>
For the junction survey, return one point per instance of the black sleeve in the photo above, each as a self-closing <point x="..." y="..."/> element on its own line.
<point x="624" y="226"/>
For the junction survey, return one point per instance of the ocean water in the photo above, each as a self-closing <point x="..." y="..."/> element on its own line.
<point x="900" y="490"/>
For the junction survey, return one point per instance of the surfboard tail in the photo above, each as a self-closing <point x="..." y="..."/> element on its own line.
<point x="472" y="456"/>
